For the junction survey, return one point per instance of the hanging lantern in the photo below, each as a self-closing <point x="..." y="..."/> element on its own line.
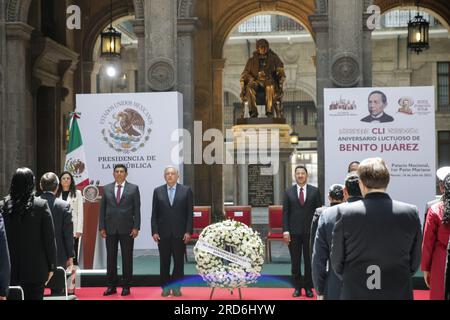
<point x="418" y="34"/>
<point x="111" y="41"/>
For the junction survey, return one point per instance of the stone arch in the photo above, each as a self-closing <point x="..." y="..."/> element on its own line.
<point x="97" y="24"/>
<point x="294" y="10"/>
<point x="232" y="88"/>
<point x="306" y="88"/>
<point x="438" y="8"/>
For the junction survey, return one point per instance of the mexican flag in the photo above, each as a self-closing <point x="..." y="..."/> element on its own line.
<point x="75" y="157"/>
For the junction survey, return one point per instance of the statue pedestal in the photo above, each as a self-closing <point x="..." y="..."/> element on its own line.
<point x="259" y="146"/>
<point x="260" y="121"/>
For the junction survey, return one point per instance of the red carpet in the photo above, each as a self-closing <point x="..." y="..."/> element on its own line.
<point x="202" y="293"/>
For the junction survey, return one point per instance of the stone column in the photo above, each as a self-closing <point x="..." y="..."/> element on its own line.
<point x="343" y="61"/>
<point x="243" y="185"/>
<point x="161" y="45"/>
<point x="346" y="53"/>
<point x="277" y="186"/>
<point x="217" y="123"/>
<point x="88" y="68"/>
<point x="320" y="27"/>
<point x="186" y="29"/>
<point x="3" y="110"/>
<point x="18" y="116"/>
<point x="367" y="52"/>
<point x="139" y="30"/>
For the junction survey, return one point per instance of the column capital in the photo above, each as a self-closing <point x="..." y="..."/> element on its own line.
<point x="218" y="64"/>
<point x="187" y="26"/>
<point x="139" y="27"/>
<point x="88" y="66"/>
<point x="319" y="22"/>
<point x="18" y="31"/>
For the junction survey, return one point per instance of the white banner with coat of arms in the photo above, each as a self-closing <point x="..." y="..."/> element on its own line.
<point x="134" y="129"/>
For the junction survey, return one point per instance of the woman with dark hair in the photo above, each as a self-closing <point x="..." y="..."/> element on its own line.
<point x="435" y="241"/>
<point x="68" y="192"/>
<point x="31" y="236"/>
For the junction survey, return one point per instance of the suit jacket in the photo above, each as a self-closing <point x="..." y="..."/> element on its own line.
<point x="314" y="225"/>
<point x="325" y="280"/>
<point x="32" y="245"/>
<point x="384" y="118"/>
<point x="76" y="204"/>
<point x="297" y="219"/>
<point x="122" y="217"/>
<point x="376" y="231"/>
<point x="5" y="265"/>
<point x="62" y="221"/>
<point x="175" y="220"/>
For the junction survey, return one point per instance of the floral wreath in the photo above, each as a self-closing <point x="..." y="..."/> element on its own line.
<point x="245" y="257"/>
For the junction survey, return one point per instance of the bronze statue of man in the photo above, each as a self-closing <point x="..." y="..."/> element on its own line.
<point x="263" y="75"/>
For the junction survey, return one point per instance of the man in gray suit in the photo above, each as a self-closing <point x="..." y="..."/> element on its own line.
<point x="172" y="220"/>
<point x="120" y="222"/>
<point x="327" y="284"/>
<point x="62" y="221"/>
<point x="376" y="246"/>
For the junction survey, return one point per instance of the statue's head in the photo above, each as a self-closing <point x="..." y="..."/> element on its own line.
<point x="262" y="46"/>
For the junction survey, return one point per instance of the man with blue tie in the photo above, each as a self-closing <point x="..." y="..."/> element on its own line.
<point x="120" y="221"/>
<point x="172" y="215"/>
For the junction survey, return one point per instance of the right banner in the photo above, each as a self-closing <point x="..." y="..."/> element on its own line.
<point x="396" y="124"/>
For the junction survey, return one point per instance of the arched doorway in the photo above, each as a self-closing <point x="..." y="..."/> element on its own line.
<point x="395" y="65"/>
<point x="117" y="75"/>
<point x="294" y="44"/>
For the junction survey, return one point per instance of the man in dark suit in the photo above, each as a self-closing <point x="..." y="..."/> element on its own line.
<point x="299" y="204"/>
<point x="376" y="246"/>
<point x="62" y="221"/>
<point x="120" y="221"/>
<point x="172" y="217"/>
<point x="326" y="282"/>
<point x="377" y="104"/>
<point x="5" y="264"/>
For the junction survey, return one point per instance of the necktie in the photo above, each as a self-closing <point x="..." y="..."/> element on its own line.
<point x="301" y="197"/>
<point x="171" y="196"/>
<point x="118" y="193"/>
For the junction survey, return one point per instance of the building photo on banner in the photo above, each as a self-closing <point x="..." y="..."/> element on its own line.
<point x="134" y="129"/>
<point x="396" y="124"/>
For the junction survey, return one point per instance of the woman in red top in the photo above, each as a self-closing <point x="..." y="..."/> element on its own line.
<point x="435" y="241"/>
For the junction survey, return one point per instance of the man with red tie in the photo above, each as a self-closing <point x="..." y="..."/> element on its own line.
<point x="299" y="204"/>
<point x="120" y="221"/>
